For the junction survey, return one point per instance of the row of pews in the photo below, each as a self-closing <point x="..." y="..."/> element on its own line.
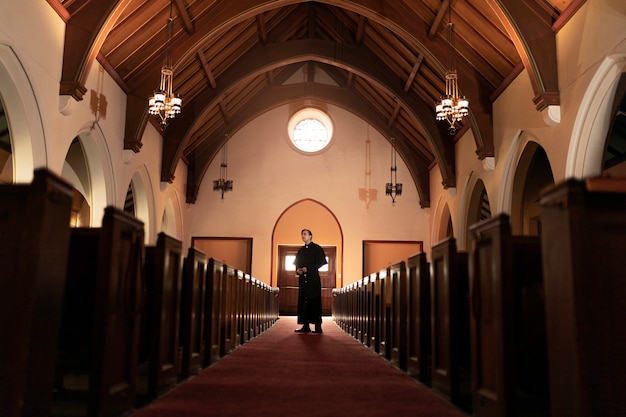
<point x="519" y="325"/>
<point x="94" y="323"/>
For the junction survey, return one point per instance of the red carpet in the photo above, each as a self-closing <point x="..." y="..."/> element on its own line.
<point x="282" y="373"/>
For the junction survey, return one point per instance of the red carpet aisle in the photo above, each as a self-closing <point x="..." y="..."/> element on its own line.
<point x="282" y="373"/>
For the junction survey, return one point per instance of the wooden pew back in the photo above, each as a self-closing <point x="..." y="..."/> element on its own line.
<point x="583" y="240"/>
<point x="34" y="225"/>
<point x="450" y="323"/>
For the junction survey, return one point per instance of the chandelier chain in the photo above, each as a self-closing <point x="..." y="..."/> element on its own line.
<point x="451" y="107"/>
<point x="164" y="103"/>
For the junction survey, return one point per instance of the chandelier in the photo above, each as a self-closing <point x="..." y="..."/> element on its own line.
<point x="451" y="106"/>
<point x="163" y="103"/>
<point x="222" y="184"/>
<point x="393" y="188"/>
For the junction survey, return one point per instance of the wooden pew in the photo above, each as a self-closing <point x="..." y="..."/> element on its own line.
<point x="246" y="309"/>
<point x="239" y="308"/>
<point x="450" y="323"/>
<point x="419" y="324"/>
<point x="103" y="298"/>
<point x="163" y="268"/>
<point x="375" y="326"/>
<point x="399" y="314"/>
<point x="352" y="309"/>
<point x="192" y="313"/>
<point x="384" y="313"/>
<point x="256" y="307"/>
<point x="583" y="239"/>
<point x="370" y="340"/>
<point x="360" y="330"/>
<point x="227" y="338"/>
<point x="34" y="225"/>
<point x="363" y="299"/>
<point x="212" y="320"/>
<point x="509" y="358"/>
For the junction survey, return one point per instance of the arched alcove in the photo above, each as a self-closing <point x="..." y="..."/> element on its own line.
<point x="171" y="220"/>
<point x="477" y="208"/>
<point x="308" y="214"/>
<point x="443" y="224"/>
<point x="532" y="176"/>
<point x="88" y="168"/>
<point x="144" y="201"/>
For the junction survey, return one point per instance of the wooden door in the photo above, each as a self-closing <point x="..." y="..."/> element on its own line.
<point x="288" y="281"/>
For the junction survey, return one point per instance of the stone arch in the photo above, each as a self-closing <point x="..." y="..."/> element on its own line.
<point x="172" y="222"/>
<point x="144" y="202"/>
<point x="99" y="171"/>
<point x="587" y="144"/>
<point x="475" y="206"/>
<point x="443" y="225"/>
<point x="533" y="174"/>
<point x="25" y="125"/>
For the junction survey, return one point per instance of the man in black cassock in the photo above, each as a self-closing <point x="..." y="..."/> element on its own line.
<point x="309" y="259"/>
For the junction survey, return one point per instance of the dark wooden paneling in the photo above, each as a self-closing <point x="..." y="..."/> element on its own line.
<point x="164" y="279"/>
<point x="103" y="299"/>
<point x="212" y="334"/>
<point x="399" y="315"/>
<point x="450" y="323"/>
<point x="583" y="241"/>
<point x="419" y="339"/>
<point x="192" y="312"/>
<point x="34" y="225"/>
<point x="509" y="358"/>
<point x="384" y="313"/>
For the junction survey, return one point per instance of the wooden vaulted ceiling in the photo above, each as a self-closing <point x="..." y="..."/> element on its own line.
<point x="386" y="61"/>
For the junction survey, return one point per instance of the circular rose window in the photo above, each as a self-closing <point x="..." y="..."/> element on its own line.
<point x="310" y="130"/>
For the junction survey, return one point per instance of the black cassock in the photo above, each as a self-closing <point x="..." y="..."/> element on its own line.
<point x="309" y="285"/>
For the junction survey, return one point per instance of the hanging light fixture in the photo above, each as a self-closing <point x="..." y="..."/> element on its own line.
<point x="163" y="102"/>
<point x="451" y="107"/>
<point x="222" y="184"/>
<point x="393" y="188"/>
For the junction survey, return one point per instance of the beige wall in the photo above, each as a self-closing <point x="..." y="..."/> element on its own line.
<point x="270" y="176"/>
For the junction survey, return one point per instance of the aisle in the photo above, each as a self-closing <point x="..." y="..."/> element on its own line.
<point x="282" y="373"/>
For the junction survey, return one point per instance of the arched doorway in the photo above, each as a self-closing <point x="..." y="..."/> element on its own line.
<point x="286" y="241"/>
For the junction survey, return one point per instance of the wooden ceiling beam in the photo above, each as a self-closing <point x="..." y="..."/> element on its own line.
<point x="359" y="35"/>
<point x="202" y="156"/>
<point x="535" y="42"/>
<point x="260" y="59"/>
<point x="394" y="114"/>
<point x="260" y="24"/>
<point x="184" y="17"/>
<point x="206" y="69"/>
<point x="434" y="28"/>
<point x="416" y="68"/>
<point x="85" y="33"/>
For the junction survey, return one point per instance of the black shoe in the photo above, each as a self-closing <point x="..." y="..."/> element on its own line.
<point x="318" y="329"/>
<point x="303" y="330"/>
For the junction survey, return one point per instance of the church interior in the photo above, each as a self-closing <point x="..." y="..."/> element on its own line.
<point x="461" y="162"/>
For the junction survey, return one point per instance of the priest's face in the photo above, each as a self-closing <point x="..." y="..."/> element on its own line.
<point x="306" y="237"/>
